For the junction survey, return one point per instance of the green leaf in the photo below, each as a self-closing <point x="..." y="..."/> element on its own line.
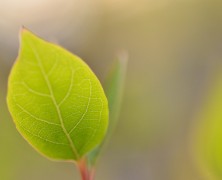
<point x="207" y="135"/>
<point x="114" y="85"/>
<point x="56" y="101"/>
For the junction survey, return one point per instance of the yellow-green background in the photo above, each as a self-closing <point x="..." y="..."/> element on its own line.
<point x="174" y="50"/>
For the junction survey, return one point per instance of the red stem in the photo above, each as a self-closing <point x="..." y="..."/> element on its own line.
<point x="86" y="173"/>
<point x="92" y="174"/>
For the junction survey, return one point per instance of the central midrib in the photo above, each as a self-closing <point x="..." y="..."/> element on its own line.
<point x="56" y="105"/>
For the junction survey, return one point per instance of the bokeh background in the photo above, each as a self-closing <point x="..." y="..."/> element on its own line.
<point x="174" y="51"/>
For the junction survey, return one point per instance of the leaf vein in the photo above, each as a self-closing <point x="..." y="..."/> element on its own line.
<point x="87" y="107"/>
<point x="34" y="91"/>
<point x="53" y="142"/>
<point x="33" y="116"/>
<point x="69" y="90"/>
<point x="72" y="146"/>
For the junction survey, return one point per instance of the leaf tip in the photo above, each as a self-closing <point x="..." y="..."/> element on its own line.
<point x="23" y="29"/>
<point x="123" y="56"/>
<point x="25" y="34"/>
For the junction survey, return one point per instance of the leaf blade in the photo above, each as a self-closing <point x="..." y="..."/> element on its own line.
<point x="56" y="88"/>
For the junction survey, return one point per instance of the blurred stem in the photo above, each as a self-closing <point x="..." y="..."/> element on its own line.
<point x="86" y="172"/>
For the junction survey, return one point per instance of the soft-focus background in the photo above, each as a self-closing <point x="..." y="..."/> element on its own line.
<point x="174" y="48"/>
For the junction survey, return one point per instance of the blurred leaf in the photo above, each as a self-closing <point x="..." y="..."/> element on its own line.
<point x="56" y="101"/>
<point x="113" y="85"/>
<point x="208" y="133"/>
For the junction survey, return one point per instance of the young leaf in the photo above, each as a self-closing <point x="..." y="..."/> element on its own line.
<point x="113" y="85"/>
<point x="207" y="136"/>
<point x="56" y="101"/>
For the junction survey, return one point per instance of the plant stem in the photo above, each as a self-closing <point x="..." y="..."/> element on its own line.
<point x="85" y="172"/>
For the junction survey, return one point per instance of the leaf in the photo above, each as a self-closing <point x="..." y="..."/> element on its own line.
<point x="56" y="101"/>
<point x="114" y="85"/>
<point x="207" y="136"/>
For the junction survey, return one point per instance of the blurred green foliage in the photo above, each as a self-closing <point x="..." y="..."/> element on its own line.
<point x="207" y="133"/>
<point x="113" y="86"/>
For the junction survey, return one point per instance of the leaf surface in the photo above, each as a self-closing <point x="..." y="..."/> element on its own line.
<point x="56" y="101"/>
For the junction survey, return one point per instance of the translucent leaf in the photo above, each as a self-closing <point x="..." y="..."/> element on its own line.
<point x="56" y="101"/>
